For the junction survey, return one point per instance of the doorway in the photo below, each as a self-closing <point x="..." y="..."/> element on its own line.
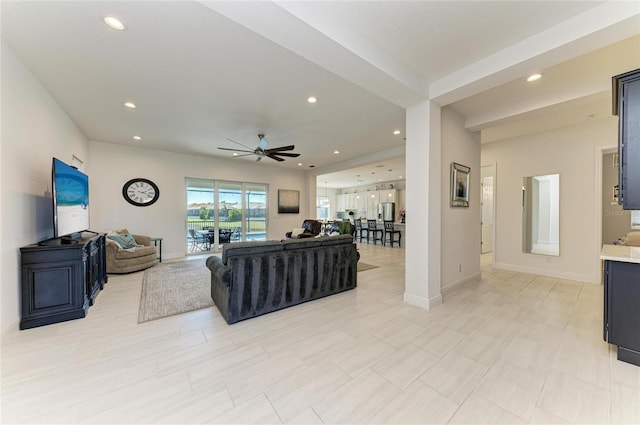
<point x="487" y="221"/>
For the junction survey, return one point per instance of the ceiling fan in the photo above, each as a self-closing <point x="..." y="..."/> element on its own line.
<point x="262" y="151"/>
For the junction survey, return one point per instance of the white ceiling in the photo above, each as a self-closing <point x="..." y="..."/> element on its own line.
<point x="202" y="72"/>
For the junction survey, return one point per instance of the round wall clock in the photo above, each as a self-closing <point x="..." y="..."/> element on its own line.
<point x="140" y="192"/>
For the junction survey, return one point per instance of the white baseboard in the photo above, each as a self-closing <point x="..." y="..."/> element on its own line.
<point x="424" y="303"/>
<point x="454" y="285"/>
<point x="559" y="274"/>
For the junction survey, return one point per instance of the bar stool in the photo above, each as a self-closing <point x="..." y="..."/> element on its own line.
<point x="391" y="233"/>
<point x="359" y="230"/>
<point x="372" y="230"/>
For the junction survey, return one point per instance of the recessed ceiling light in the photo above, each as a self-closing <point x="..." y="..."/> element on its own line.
<point x="130" y="105"/>
<point x="235" y="154"/>
<point x="533" y="77"/>
<point x="137" y="138"/>
<point x="396" y="132"/>
<point x="114" y="23"/>
<point x="299" y="163"/>
<point x="312" y="99"/>
<point x="336" y="152"/>
<point x="399" y="177"/>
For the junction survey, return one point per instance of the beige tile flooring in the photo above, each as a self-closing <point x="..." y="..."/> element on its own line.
<point x="509" y="348"/>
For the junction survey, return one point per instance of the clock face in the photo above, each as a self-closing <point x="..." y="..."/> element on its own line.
<point x="140" y="192"/>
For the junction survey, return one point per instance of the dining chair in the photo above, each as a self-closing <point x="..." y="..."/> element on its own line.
<point x="196" y="240"/>
<point x="236" y="234"/>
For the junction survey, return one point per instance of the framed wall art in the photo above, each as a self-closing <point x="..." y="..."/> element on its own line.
<point x="288" y="201"/>
<point x="459" y="185"/>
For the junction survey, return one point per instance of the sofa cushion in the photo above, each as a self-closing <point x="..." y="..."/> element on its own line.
<point x="249" y="248"/>
<point x="297" y="231"/>
<point x="125" y="241"/>
<point x="139" y="251"/>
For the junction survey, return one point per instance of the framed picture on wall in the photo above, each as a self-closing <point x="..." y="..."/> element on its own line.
<point x="288" y="201"/>
<point x="459" y="185"/>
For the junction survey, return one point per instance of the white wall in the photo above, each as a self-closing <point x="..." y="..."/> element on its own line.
<point x="460" y="226"/>
<point x="113" y="165"/>
<point x="571" y="152"/>
<point x="34" y="130"/>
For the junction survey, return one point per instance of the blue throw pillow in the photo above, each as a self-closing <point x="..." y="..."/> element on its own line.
<point x="125" y="241"/>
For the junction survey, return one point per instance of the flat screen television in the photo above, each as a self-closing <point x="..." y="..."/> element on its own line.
<point x="70" y="200"/>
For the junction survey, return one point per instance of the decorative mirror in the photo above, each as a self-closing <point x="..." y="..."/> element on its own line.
<point x="541" y="214"/>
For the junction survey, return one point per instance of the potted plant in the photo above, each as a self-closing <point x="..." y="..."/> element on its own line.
<point x="345" y="228"/>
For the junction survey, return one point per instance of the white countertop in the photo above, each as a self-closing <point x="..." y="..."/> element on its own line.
<point x="625" y="254"/>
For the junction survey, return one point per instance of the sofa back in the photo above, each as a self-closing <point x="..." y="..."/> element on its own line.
<point x="237" y="249"/>
<point x="261" y="277"/>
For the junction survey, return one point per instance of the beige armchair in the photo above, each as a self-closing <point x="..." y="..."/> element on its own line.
<point x="122" y="257"/>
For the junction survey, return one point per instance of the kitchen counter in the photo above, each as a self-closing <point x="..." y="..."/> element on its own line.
<point x="622" y="253"/>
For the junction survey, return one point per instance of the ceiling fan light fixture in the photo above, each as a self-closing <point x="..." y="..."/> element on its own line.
<point x="114" y="23"/>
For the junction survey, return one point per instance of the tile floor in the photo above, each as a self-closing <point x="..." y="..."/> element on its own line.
<point x="509" y="348"/>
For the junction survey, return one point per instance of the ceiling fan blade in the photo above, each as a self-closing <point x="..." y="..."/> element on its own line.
<point x="282" y="148"/>
<point x="244" y="154"/>
<point x="238" y="143"/>
<point x="234" y="150"/>
<point x="289" y="155"/>
<point x="272" y="156"/>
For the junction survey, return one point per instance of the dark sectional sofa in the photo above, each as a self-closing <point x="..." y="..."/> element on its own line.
<point x="254" y="278"/>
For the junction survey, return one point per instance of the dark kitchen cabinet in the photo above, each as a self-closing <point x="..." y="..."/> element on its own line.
<point x="622" y="309"/>
<point x="626" y="104"/>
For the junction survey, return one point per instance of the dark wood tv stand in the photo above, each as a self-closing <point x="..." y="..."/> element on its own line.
<point x="61" y="278"/>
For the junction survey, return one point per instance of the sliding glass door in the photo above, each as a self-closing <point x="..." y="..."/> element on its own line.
<point x="255" y="227"/>
<point x="220" y="212"/>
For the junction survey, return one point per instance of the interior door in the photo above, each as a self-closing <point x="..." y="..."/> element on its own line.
<point x="487" y="209"/>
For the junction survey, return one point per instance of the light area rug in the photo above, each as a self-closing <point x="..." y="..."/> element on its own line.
<point x="364" y="266"/>
<point x="174" y="288"/>
<point x="181" y="286"/>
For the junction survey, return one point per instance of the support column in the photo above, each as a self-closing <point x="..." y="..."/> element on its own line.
<point x="423" y="204"/>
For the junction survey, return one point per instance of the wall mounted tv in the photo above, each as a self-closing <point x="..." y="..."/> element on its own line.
<point x="70" y="200"/>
